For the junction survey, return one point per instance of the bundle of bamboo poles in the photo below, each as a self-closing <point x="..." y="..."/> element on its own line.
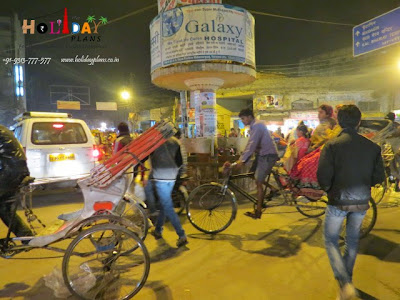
<point x="137" y="150"/>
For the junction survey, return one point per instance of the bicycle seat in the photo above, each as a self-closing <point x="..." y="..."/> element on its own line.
<point x="26" y="181"/>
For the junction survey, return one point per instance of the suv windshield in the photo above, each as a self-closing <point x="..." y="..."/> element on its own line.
<point x="55" y="133"/>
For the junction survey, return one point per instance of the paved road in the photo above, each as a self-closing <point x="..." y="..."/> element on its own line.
<point x="280" y="256"/>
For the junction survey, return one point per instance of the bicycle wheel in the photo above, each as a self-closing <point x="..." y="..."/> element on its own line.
<point x="106" y="268"/>
<point x="368" y="221"/>
<point x="136" y="214"/>
<point x="311" y="208"/>
<point x="378" y="191"/>
<point x="209" y="210"/>
<point x="179" y="198"/>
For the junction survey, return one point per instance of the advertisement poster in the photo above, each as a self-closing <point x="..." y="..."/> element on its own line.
<point x="202" y="33"/>
<point x="205" y="113"/>
<point x="155" y="42"/>
<point x="209" y="113"/>
<point x="268" y="102"/>
<point x="191" y="113"/>
<point x="194" y="98"/>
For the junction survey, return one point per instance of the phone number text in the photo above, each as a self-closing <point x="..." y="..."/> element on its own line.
<point x="29" y="61"/>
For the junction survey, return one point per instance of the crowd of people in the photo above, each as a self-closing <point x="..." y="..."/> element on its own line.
<point x="334" y="158"/>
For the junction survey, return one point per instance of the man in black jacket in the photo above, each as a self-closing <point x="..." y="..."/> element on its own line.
<point x="348" y="167"/>
<point x="166" y="162"/>
<point x="13" y="169"/>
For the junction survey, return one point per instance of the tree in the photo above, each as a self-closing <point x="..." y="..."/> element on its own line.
<point x="103" y="20"/>
<point x="90" y="19"/>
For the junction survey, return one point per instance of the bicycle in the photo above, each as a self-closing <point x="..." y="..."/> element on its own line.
<point x="212" y="207"/>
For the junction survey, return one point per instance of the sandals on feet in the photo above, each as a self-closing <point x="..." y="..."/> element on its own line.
<point x="254" y="215"/>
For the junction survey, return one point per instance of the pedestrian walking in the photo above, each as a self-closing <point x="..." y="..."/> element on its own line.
<point x="349" y="166"/>
<point x="166" y="162"/>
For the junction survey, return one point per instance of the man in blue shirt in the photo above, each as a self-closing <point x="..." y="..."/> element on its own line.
<point x="261" y="144"/>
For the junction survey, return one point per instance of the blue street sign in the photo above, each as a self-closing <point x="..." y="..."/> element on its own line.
<point x="377" y="33"/>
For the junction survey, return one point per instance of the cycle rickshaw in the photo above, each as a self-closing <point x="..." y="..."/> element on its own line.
<point x="212" y="207"/>
<point x="106" y="258"/>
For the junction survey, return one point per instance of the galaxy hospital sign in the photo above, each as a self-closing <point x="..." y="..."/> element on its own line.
<point x="203" y="32"/>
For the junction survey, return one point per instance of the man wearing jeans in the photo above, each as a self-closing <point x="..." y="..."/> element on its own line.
<point x="165" y="164"/>
<point x="348" y="167"/>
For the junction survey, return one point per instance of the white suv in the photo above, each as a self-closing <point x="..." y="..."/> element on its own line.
<point x="55" y="144"/>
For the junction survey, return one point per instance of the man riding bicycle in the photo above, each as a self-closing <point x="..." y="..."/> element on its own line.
<point x="264" y="147"/>
<point x="13" y="169"/>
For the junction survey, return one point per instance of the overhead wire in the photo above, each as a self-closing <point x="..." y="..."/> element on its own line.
<point x="333" y="65"/>
<point x="307" y="62"/>
<point x="46" y="15"/>
<point x="254" y="12"/>
<point x="311" y="61"/>
<point x="340" y="63"/>
<point x="347" y="70"/>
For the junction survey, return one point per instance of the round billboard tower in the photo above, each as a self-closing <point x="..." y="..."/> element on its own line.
<point x="202" y="48"/>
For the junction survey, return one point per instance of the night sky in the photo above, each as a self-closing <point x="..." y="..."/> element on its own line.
<point x="278" y="41"/>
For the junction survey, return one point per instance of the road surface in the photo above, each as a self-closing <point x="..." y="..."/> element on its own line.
<point x="280" y="256"/>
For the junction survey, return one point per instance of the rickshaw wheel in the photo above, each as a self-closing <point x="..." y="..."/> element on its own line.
<point x="7" y="250"/>
<point x="109" y="268"/>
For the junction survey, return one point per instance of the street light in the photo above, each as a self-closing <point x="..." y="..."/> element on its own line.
<point x="125" y="95"/>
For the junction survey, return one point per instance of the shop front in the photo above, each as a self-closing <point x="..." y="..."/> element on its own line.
<point x="309" y="118"/>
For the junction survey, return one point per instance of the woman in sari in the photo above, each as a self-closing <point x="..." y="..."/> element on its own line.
<point x="298" y="148"/>
<point x="304" y="172"/>
<point x="326" y="123"/>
